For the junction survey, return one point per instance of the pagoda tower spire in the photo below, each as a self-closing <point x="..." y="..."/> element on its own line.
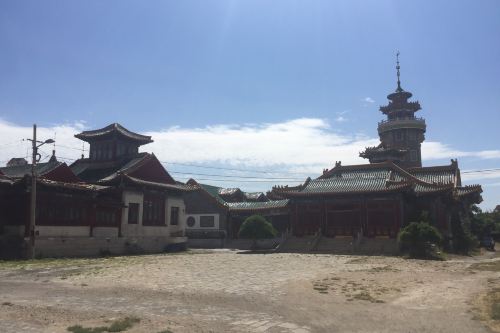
<point x="401" y="134"/>
<point x="397" y="69"/>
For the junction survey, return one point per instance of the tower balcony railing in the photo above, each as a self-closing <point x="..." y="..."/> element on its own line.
<point x="408" y="106"/>
<point x="399" y="123"/>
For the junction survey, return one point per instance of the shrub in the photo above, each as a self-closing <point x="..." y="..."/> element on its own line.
<point x="419" y="240"/>
<point x="463" y="241"/>
<point x="11" y="247"/>
<point x="256" y="227"/>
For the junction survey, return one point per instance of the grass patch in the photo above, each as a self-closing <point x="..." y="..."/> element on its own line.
<point x="386" y="268"/>
<point x="116" y="326"/>
<point x="495" y="310"/>
<point x="365" y="296"/>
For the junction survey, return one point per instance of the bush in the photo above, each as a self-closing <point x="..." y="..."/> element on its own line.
<point x="11" y="247"/>
<point x="463" y="241"/>
<point x="256" y="227"/>
<point x="419" y="240"/>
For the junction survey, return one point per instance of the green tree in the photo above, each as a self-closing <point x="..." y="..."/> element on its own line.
<point x="256" y="227"/>
<point x="419" y="240"/>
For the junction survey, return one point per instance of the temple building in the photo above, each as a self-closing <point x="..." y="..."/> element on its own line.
<point x="375" y="200"/>
<point x="214" y="214"/>
<point x="116" y="200"/>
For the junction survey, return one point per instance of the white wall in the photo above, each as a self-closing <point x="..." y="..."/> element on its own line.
<point x="63" y="231"/>
<point x="138" y="230"/>
<point x="197" y="221"/>
<point x="176" y="202"/>
<point x="131" y="229"/>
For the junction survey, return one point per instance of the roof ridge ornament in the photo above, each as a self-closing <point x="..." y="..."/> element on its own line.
<point x="399" y="89"/>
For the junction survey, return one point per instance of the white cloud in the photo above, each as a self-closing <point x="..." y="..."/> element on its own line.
<point x="296" y="148"/>
<point x="474" y="176"/>
<point x="437" y="150"/>
<point x="299" y="142"/>
<point x="369" y="100"/>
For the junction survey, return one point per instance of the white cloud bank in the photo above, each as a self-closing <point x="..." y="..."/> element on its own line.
<point x="305" y="145"/>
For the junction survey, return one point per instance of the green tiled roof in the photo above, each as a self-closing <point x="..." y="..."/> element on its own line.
<point x="214" y="192"/>
<point x="20" y="171"/>
<point x="378" y="177"/>
<point x="356" y="181"/>
<point x="273" y="204"/>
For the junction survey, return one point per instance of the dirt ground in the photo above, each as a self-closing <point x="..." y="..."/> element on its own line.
<point x="225" y="291"/>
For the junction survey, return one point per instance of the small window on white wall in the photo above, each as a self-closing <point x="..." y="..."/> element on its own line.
<point x="174" y="215"/>
<point x="207" y="221"/>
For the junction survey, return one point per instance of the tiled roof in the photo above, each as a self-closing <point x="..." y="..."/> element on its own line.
<point x="356" y="181"/>
<point x="73" y="186"/>
<point x="117" y="128"/>
<point x="470" y="189"/>
<point x="127" y="167"/>
<point x="6" y="180"/>
<point x="20" y="171"/>
<point x="377" y="177"/>
<point x="95" y="171"/>
<point x="256" y="196"/>
<point x="176" y="187"/>
<point x="251" y="206"/>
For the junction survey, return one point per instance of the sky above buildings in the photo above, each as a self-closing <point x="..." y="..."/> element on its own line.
<point x="257" y="93"/>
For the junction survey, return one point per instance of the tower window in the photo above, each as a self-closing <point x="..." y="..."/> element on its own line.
<point x="399" y="135"/>
<point x="413" y="155"/>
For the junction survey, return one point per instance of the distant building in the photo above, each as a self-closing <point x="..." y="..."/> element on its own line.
<point x="214" y="214"/>
<point x="17" y="161"/>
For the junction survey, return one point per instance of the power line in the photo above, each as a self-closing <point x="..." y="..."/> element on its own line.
<point x="243" y="181"/>
<point x="481" y="170"/>
<point x="232" y="176"/>
<point x="229" y="169"/>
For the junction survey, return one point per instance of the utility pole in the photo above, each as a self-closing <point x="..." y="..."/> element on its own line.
<point x="31" y="246"/>
<point x="34" y="160"/>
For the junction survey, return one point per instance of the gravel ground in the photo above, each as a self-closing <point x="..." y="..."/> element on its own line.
<point x="224" y="291"/>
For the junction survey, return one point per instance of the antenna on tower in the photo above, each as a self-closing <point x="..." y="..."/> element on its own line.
<point x="397" y="68"/>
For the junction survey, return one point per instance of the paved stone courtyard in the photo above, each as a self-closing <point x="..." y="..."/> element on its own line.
<point x="224" y="291"/>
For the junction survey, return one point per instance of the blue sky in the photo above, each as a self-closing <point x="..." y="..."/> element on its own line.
<point x="223" y="70"/>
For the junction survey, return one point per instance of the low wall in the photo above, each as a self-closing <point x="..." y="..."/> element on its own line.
<point x="205" y="243"/>
<point x="246" y="244"/>
<point x="95" y="246"/>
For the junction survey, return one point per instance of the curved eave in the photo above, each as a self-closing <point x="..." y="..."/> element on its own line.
<point x="331" y="193"/>
<point x="170" y="187"/>
<point x="89" y="136"/>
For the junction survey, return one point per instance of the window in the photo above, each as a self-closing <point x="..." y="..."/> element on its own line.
<point x="133" y="213"/>
<point x="190" y="221"/>
<point x="174" y="215"/>
<point x="105" y="217"/>
<point x="153" y="210"/>
<point x="412" y="135"/>
<point x="413" y="155"/>
<point x="207" y="221"/>
<point x="399" y="136"/>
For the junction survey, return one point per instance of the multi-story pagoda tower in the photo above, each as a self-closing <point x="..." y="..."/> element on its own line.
<point x="401" y="134"/>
